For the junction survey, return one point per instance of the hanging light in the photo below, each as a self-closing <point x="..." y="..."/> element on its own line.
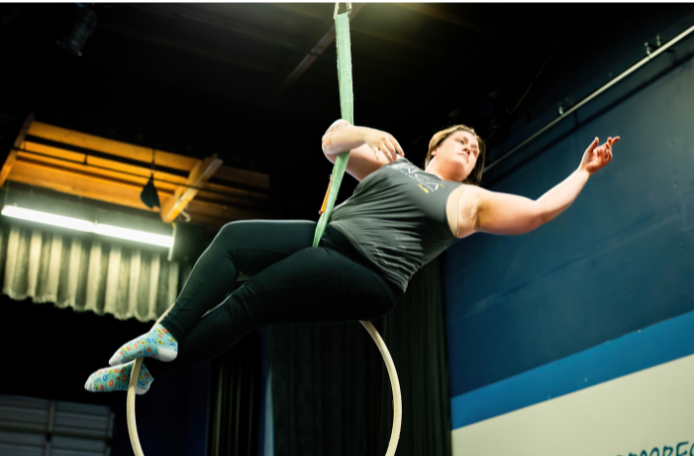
<point x="149" y="194"/>
<point x="77" y="32"/>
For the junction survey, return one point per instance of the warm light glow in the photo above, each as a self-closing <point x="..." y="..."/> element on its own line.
<point x="87" y="226"/>
<point x="133" y="235"/>
<point x="48" y="219"/>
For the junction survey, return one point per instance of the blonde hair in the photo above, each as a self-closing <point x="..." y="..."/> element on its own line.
<point x="475" y="176"/>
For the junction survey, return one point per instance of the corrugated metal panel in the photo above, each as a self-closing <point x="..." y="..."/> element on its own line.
<point x="42" y="427"/>
<point x="86" y="274"/>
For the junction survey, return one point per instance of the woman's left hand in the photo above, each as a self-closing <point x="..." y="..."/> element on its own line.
<point x="597" y="157"/>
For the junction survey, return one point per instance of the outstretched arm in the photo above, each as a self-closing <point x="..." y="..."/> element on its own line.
<point x="501" y="213"/>
<point x="369" y="148"/>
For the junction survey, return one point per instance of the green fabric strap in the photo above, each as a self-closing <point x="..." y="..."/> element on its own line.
<point x="344" y="76"/>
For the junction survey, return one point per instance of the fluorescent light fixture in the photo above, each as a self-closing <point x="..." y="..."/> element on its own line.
<point x="87" y="226"/>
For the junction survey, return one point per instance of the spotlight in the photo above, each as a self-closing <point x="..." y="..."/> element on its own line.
<point x="77" y="32"/>
<point x="149" y="194"/>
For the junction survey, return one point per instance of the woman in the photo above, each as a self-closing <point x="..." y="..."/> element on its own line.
<point x="398" y="219"/>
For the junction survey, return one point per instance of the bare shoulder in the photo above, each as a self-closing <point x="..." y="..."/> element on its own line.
<point x="462" y="208"/>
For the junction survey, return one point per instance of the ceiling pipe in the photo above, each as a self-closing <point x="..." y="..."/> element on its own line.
<point x="636" y="66"/>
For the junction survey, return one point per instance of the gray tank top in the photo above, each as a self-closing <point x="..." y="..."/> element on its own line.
<point x="397" y="220"/>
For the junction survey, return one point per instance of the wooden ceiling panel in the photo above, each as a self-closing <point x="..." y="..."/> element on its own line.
<point x="93" y="171"/>
<point x="117" y="148"/>
<point x="98" y="168"/>
<point x="243" y="177"/>
<point x="184" y="194"/>
<point x="79" y="184"/>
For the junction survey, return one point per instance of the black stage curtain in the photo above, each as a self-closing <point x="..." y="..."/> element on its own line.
<point x="235" y="399"/>
<point x="330" y="388"/>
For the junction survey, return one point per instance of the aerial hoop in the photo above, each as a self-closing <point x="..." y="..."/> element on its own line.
<point x="390" y="366"/>
<point x="395" y="385"/>
<point x="130" y="409"/>
<point x="347" y="109"/>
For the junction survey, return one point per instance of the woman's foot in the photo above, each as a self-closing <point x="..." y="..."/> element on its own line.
<point x="157" y="344"/>
<point x="116" y="378"/>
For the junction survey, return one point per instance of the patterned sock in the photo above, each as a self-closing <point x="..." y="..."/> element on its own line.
<point x="116" y="378"/>
<point x="157" y="344"/>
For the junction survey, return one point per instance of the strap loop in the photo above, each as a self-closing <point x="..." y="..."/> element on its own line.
<point x="337" y="8"/>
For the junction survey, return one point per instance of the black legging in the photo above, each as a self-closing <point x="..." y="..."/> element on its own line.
<point x="292" y="283"/>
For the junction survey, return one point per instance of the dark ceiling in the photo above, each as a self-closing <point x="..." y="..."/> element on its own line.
<point x="249" y="80"/>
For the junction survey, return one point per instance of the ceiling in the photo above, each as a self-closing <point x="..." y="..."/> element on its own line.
<point x="247" y="81"/>
<point x="204" y="192"/>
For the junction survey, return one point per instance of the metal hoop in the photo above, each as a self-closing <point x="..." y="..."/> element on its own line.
<point x="390" y="366"/>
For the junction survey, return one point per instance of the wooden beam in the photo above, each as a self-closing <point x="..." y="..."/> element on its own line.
<point x="215" y="204"/>
<point x="441" y="15"/>
<point x="183" y="195"/>
<point x="78" y="184"/>
<point x="77" y="162"/>
<point x="218" y="194"/>
<point x="133" y="152"/>
<point x="109" y="146"/>
<point x="243" y="177"/>
<point x="124" y="194"/>
<point x="233" y="196"/>
<point x="235" y="201"/>
<point x="12" y="156"/>
<point x="316" y="50"/>
<point x="210" y="191"/>
<point x="140" y="174"/>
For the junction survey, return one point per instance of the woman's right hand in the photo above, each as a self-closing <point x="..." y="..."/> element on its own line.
<point x="597" y="157"/>
<point x="385" y="143"/>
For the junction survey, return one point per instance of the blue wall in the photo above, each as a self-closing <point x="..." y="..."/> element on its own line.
<point x="620" y="259"/>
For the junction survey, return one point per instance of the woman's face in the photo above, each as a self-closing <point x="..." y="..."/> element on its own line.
<point x="457" y="154"/>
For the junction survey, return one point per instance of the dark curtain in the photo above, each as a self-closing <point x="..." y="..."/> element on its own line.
<point x="235" y="400"/>
<point x="331" y="391"/>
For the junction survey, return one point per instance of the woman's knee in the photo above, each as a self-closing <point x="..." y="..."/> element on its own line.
<point x="233" y="233"/>
<point x="382" y="308"/>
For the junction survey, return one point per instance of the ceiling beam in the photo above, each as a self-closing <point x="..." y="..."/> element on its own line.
<point x="79" y="184"/>
<point x="12" y="156"/>
<point x="307" y="9"/>
<point x="441" y="15"/>
<point x="110" y="169"/>
<point x="96" y="165"/>
<point x="325" y="40"/>
<point x="121" y="193"/>
<point x="181" y="44"/>
<point x="212" y="191"/>
<point x="183" y="195"/>
<point x="232" y="200"/>
<point x="109" y="146"/>
<point x="243" y="177"/>
<point x="185" y="12"/>
<point x="401" y="41"/>
<point x="163" y="159"/>
<point x="103" y="179"/>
